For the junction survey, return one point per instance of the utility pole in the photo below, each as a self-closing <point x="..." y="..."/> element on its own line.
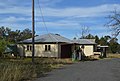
<point x="33" y="32"/>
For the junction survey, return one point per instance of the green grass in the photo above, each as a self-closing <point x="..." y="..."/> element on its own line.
<point x="20" y="70"/>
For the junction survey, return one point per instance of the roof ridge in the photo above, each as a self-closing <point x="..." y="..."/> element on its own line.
<point x="53" y="36"/>
<point x="49" y="37"/>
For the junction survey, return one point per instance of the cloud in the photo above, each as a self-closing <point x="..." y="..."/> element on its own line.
<point x="12" y="19"/>
<point x="58" y="19"/>
<point x="16" y="10"/>
<point x="59" y="25"/>
<point x="71" y="17"/>
<point x="11" y="3"/>
<point x="101" y="10"/>
<point x="49" y="3"/>
<point x="16" y="26"/>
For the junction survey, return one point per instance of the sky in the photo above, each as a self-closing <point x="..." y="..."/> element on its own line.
<point x="64" y="17"/>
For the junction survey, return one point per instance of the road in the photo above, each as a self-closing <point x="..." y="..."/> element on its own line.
<point x="101" y="70"/>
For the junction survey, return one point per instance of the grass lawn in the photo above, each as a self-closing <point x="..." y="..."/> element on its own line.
<point x="23" y="69"/>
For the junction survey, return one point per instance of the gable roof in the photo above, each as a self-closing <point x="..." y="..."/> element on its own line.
<point x="49" y="38"/>
<point x="83" y="41"/>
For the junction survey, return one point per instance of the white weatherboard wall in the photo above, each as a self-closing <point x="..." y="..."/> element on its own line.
<point x="88" y="50"/>
<point x="40" y="50"/>
<point x="21" y="50"/>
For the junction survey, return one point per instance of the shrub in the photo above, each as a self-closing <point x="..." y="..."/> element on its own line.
<point x="2" y="46"/>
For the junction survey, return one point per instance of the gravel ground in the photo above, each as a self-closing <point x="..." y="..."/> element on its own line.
<point x="101" y="70"/>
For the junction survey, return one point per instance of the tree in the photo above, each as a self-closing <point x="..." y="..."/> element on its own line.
<point x="118" y="49"/>
<point x="7" y="36"/>
<point x="84" y="31"/>
<point x="2" y="32"/>
<point x="114" y="23"/>
<point x="114" y="45"/>
<point x="3" y="44"/>
<point x="89" y="36"/>
<point x="26" y="34"/>
<point x="107" y="37"/>
<point x="14" y="36"/>
<point x="103" y="41"/>
<point x="97" y="39"/>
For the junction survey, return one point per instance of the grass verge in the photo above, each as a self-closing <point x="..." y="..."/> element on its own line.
<point x="113" y="55"/>
<point x="22" y="70"/>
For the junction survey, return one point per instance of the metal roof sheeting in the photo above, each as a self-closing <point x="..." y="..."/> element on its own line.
<point x="48" y="38"/>
<point x="83" y="41"/>
<point x="56" y="38"/>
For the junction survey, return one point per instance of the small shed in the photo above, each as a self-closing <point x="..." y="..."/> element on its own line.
<point x="102" y="49"/>
<point x="87" y="46"/>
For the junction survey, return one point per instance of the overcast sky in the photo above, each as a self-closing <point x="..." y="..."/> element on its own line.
<point x="64" y="17"/>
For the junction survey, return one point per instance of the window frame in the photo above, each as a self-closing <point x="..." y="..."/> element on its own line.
<point x="47" y="48"/>
<point x="29" y="48"/>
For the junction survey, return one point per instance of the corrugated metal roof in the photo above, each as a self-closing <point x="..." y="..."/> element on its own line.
<point x="103" y="46"/>
<point x="49" y="38"/>
<point x="83" y="41"/>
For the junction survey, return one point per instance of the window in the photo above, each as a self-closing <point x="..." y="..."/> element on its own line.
<point x="29" y="48"/>
<point x="47" y="47"/>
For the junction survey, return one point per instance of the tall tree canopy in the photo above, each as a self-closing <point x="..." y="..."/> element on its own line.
<point x="14" y="36"/>
<point x="114" y="46"/>
<point x="8" y="36"/>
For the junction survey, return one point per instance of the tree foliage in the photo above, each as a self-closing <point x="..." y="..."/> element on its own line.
<point x="14" y="36"/>
<point x="26" y="33"/>
<point x="3" y="44"/>
<point x="97" y="39"/>
<point x="89" y="36"/>
<point x="113" y="44"/>
<point x="9" y="36"/>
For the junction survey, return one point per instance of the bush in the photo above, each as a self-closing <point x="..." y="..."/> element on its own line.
<point x="3" y="44"/>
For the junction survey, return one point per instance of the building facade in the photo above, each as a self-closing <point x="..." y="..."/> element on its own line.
<point x="54" y="45"/>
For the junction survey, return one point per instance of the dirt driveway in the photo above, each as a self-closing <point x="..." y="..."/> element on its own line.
<point x="101" y="70"/>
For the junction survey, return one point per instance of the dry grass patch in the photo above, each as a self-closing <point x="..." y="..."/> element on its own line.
<point x="22" y="70"/>
<point x="113" y="55"/>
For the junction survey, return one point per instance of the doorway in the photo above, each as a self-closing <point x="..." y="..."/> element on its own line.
<point x="66" y="51"/>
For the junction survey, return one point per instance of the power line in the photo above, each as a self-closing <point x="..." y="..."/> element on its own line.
<point x="44" y="22"/>
<point x="41" y="11"/>
<point x="42" y="16"/>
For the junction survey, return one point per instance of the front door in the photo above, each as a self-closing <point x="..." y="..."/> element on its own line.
<point x="66" y="51"/>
